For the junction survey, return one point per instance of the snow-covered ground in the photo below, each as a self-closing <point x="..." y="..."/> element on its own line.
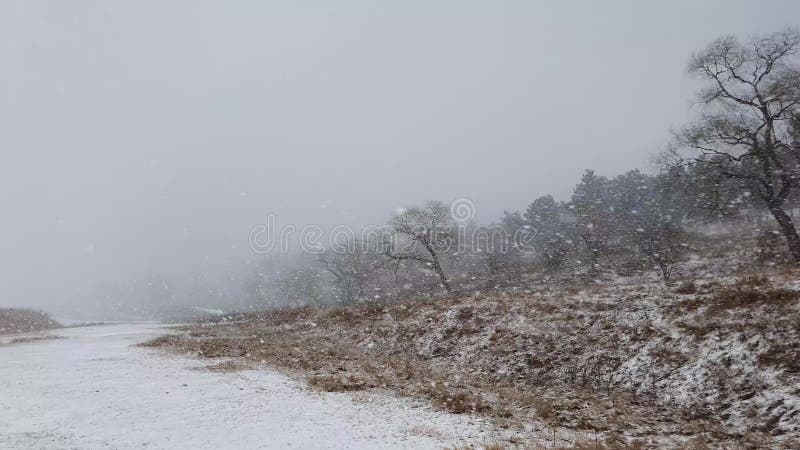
<point x="95" y="389"/>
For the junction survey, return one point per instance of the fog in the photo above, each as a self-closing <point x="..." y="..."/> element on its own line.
<point x="145" y="139"/>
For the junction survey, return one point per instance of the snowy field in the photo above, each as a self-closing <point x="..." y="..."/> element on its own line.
<point x="94" y="389"/>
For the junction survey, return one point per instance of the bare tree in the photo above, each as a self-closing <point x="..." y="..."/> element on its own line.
<point x="422" y="235"/>
<point x="745" y="130"/>
<point x="300" y="287"/>
<point x="350" y="268"/>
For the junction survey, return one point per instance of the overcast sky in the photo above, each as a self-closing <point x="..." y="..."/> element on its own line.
<point x="142" y="137"/>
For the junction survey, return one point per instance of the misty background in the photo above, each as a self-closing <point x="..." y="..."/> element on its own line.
<point x="143" y="140"/>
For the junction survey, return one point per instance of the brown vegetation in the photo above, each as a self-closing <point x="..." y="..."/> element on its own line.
<point x="16" y="320"/>
<point x="626" y="360"/>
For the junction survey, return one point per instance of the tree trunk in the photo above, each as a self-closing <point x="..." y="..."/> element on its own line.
<point x="442" y="277"/>
<point x="437" y="267"/>
<point x="594" y="256"/>
<point x="666" y="270"/>
<point x="789" y="232"/>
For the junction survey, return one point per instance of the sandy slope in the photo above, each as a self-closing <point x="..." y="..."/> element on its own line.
<point x="95" y="390"/>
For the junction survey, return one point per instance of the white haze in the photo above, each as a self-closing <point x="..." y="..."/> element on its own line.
<point x="148" y="137"/>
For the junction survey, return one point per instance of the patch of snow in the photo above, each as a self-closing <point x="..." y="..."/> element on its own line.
<point x="95" y="389"/>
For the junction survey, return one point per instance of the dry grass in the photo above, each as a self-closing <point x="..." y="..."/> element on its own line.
<point x="746" y="297"/>
<point x="227" y="366"/>
<point x="687" y="287"/>
<point x="457" y="401"/>
<point x="337" y="383"/>
<point x="554" y="357"/>
<point x="163" y="341"/>
<point x="594" y="444"/>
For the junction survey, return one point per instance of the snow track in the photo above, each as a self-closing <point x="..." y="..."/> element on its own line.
<point x="95" y="389"/>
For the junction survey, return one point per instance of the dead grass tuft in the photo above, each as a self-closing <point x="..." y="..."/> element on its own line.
<point x="337" y="383"/>
<point x="457" y="401"/>
<point x="227" y="366"/>
<point x="688" y="287"/>
<point x="544" y="409"/>
<point x="163" y="341"/>
<point x="745" y="297"/>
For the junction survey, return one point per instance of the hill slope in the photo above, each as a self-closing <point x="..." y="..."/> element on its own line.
<point x="702" y="363"/>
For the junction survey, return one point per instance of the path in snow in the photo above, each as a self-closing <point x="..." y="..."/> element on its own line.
<point x="94" y="389"/>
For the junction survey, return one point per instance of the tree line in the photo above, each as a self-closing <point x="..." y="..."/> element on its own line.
<point x="738" y="160"/>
